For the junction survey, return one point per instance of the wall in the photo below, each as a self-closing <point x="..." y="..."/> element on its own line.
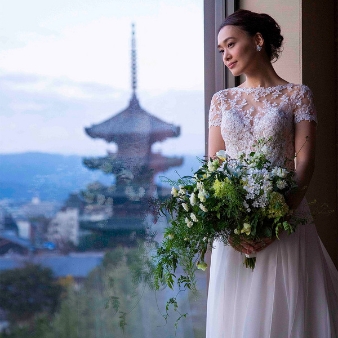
<point x="309" y="57"/>
<point x="288" y="15"/>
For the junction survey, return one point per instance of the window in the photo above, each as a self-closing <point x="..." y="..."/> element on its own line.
<point x="99" y="100"/>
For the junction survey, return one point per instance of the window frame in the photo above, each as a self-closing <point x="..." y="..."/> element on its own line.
<point x="216" y="76"/>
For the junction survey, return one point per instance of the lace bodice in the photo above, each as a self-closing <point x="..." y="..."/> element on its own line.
<point x="248" y="114"/>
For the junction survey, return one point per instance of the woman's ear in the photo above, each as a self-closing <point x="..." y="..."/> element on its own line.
<point x="259" y="40"/>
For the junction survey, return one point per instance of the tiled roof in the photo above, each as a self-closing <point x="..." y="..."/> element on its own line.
<point x="133" y="121"/>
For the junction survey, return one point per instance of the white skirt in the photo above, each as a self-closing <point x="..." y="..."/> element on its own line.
<point x="291" y="293"/>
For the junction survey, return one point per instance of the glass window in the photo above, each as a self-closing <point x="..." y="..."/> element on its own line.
<point x="101" y="103"/>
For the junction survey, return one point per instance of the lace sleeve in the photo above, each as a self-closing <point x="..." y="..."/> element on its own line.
<point x="215" y="113"/>
<point x="305" y="109"/>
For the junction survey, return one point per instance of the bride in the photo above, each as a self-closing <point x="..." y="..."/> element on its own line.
<point x="293" y="290"/>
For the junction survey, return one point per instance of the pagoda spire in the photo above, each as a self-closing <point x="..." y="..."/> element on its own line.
<point x="133" y="60"/>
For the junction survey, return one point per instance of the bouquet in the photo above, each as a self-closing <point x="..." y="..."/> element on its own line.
<point x="226" y="199"/>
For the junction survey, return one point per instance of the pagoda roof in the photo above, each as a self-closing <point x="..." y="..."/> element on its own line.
<point x="133" y="120"/>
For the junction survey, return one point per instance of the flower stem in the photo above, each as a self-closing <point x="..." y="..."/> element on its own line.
<point x="250" y="262"/>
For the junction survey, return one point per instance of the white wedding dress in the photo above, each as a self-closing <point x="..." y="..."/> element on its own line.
<point x="293" y="290"/>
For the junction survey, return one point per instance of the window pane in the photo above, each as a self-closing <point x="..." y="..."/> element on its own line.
<point x="102" y="102"/>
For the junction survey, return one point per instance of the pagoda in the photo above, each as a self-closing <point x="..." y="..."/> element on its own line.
<point x="134" y="130"/>
<point x="134" y="165"/>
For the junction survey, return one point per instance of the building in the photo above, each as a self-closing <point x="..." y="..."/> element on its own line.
<point x="134" y="131"/>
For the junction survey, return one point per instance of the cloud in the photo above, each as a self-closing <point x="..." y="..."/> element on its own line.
<point x="81" y="46"/>
<point x="49" y="115"/>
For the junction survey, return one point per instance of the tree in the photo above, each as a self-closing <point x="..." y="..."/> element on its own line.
<point x="27" y="291"/>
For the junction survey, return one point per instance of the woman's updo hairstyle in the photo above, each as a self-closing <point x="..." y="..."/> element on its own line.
<point x="253" y="23"/>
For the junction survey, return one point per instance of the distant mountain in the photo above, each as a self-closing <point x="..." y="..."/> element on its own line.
<point x="53" y="176"/>
<point x="49" y="176"/>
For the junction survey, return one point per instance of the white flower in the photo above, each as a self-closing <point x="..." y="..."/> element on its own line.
<point x="265" y="149"/>
<point x="203" y="208"/>
<point x="200" y="185"/>
<point x="213" y="165"/>
<point x="188" y="222"/>
<point x="210" y="166"/>
<point x="281" y="184"/>
<point x="182" y="191"/>
<point x="202" y="266"/>
<point x="236" y="231"/>
<point x="192" y="199"/>
<point x="280" y="172"/>
<point x="185" y="206"/>
<point x="174" y="192"/>
<point x="246" y="229"/>
<point x="246" y="206"/>
<point x="170" y="236"/>
<point x="202" y="196"/>
<point x="193" y="217"/>
<point x="222" y="155"/>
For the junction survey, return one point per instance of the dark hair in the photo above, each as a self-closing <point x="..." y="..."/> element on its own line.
<point x="253" y="23"/>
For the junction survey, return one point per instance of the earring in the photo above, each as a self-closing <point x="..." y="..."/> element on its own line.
<point x="259" y="48"/>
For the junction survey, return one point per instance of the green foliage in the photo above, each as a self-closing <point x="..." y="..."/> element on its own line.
<point x="237" y="198"/>
<point x="27" y="291"/>
<point x="38" y="328"/>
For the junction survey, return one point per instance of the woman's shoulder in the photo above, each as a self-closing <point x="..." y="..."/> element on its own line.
<point x="300" y="89"/>
<point x="221" y="96"/>
<point x="301" y="94"/>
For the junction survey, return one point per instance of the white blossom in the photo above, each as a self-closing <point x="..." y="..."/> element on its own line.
<point x="246" y="229"/>
<point x="202" y="196"/>
<point x="188" y="222"/>
<point x="280" y="172"/>
<point x="174" y="192"/>
<point x="193" y="217"/>
<point x="192" y="199"/>
<point x="210" y="166"/>
<point x="222" y="155"/>
<point x="182" y="191"/>
<point x="200" y="185"/>
<point x="202" y="266"/>
<point x="185" y="206"/>
<point x="213" y="165"/>
<point x="203" y="208"/>
<point x="281" y="184"/>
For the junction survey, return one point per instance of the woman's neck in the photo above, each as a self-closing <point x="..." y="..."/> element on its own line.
<point x="263" y="75"/>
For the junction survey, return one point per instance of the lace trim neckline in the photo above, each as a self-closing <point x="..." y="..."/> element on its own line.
<point x="281" y="86"/>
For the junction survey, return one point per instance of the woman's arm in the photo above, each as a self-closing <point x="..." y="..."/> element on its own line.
<point x="305" y="144"/>
<point x="215" y="142"/>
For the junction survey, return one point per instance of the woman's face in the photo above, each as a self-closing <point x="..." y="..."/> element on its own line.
<point x="238" y="49"/>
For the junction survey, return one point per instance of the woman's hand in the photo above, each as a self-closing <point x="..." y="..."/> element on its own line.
<point x="248" y="247"/>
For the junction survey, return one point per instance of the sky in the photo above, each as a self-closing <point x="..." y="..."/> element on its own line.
<point x="65" y="65"/>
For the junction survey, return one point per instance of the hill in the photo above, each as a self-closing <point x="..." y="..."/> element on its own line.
<point x="54" y="176"/>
